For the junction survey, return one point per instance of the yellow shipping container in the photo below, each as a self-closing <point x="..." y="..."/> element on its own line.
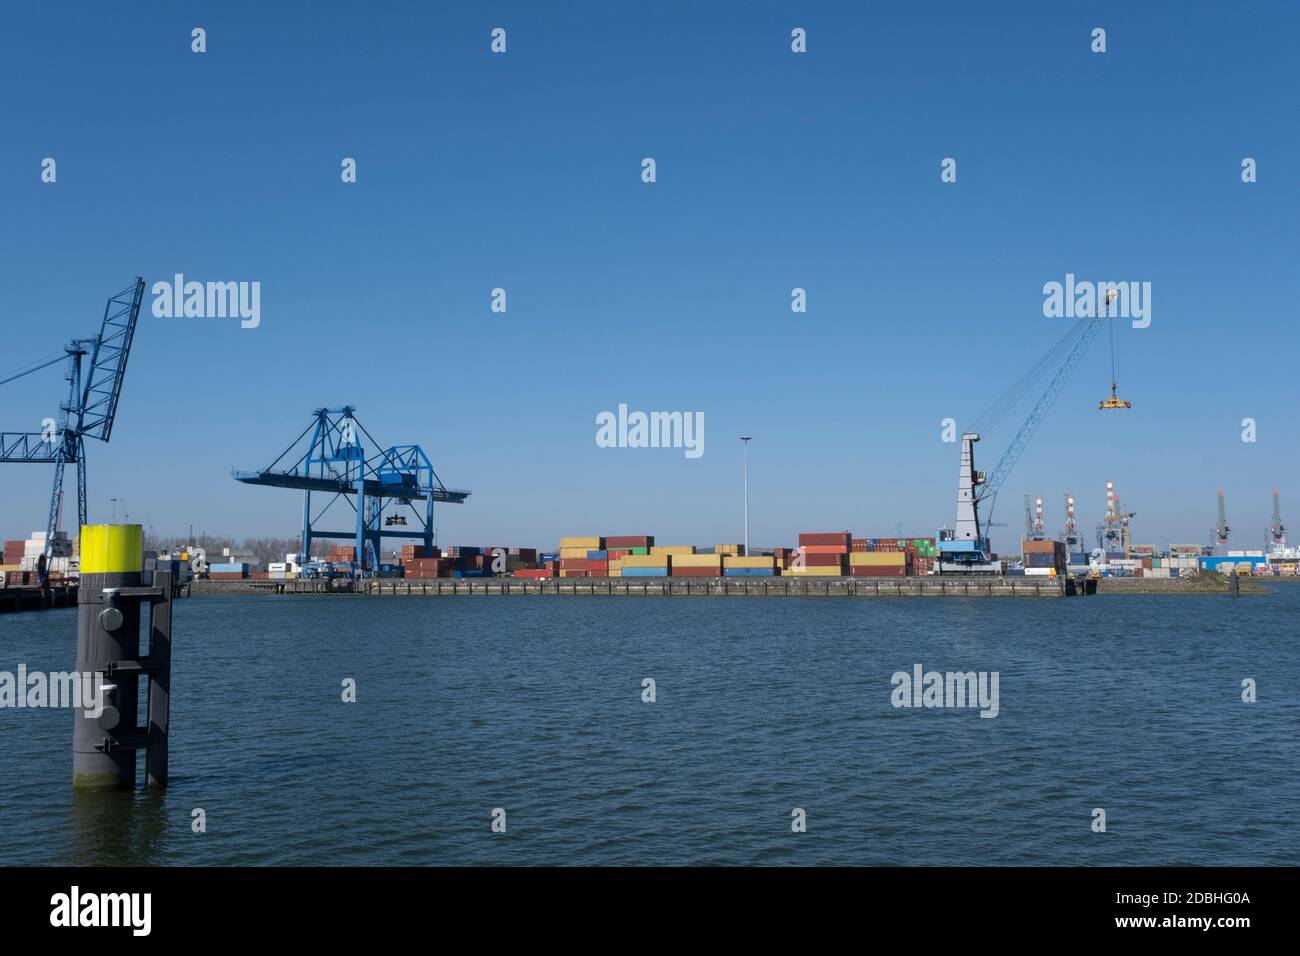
<point x="573" y="574"/>
<point x="697" y="561"/>
<point x="576" y="552"/>
<point x="729" y="549"/>
<point x="888" y="559"/>
<point x="615" y="572"/>
<point x="586" y="544"/>
<point x="645" y="561"/>
<point x="818" y="572"/>
<point x="673" y="549"/>
<point x="754" y="562"/>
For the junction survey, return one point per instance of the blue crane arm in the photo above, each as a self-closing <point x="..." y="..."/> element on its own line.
<point x="108" y="363"/>
<point x="27" y="446"/>
<point x="1040" y="410"/>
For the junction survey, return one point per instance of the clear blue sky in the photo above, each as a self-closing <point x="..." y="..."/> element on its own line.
<point x="775" y="170"/>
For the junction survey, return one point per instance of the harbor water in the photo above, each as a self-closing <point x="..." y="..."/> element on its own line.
<point x="534" y="705"/>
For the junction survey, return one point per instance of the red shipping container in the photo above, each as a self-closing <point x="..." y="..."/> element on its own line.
<point x="826" y="537"/>
<point x="577" y="564"/>
<point x="631" y="541"/>
<point x="597" y="569"/>
<point x="823" y="560"/>
<point x="536" y="573"/>
<point x="824" y="549"/>
<point x="410" y="551"/>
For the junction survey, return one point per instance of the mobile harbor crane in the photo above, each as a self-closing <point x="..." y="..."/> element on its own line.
<point x="965" y="548"/>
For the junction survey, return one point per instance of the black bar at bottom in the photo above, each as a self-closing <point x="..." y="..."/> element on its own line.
<point x="923" y="905"/>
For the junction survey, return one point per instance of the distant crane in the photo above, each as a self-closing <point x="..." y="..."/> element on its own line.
<point x="1070" y="536"/>
<point x="90" y="408"/>
<point x="1221" y="530"/>
<point x="1277" y="531"/>
<point x="1112" y="533"/>
<point x="1125" y="541"/>
<point x="1034" y="522"/>
<point x="333" y="461"/>
<point x="965" y="548"/>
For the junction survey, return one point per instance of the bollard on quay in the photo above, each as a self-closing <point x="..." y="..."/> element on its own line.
<point x="110" y="609"/>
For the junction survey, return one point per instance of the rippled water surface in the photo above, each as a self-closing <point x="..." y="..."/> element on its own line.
<point x="1132" y="704"/>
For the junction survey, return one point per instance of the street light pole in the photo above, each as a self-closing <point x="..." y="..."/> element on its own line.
<point x="745" y="439"/>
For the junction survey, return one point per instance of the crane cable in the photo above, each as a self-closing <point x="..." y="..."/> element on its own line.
<point x="34" y="366"/>
<point x="1114" y="367"/>
<point x="1050" y="359"/>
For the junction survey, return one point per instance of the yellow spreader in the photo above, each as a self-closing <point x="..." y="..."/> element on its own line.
<point x="1114" y="401"/>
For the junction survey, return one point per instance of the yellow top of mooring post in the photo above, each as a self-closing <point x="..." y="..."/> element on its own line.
<point x="112" y="548"/>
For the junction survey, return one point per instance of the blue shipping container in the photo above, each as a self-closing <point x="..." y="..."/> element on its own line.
<point x="748" y="573"/>
<point x="645" y="572"/>
<point x="1213" y="562"/>
<point x="597" y="555"/>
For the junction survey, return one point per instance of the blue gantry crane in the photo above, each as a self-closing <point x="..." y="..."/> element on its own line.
<point x="333" y="462"/>
<point x="91" y="405"/>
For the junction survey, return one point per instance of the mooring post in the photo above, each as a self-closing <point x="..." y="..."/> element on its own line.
<point x="110" y="599"/>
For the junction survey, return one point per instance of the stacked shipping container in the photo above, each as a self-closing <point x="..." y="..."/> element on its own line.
<point x="1044" y="557"/>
